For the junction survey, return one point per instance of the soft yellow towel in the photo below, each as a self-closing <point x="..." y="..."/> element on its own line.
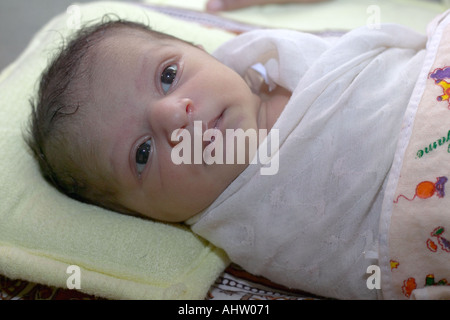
<point x="42" y="232"/>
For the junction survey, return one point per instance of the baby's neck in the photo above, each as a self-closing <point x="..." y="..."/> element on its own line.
<point x="273" y="103"/>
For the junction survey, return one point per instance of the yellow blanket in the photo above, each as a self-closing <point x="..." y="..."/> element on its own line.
<point x="44" y="233"/>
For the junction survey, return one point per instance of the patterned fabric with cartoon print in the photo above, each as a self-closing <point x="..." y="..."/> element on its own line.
<point x="415" y="226"/>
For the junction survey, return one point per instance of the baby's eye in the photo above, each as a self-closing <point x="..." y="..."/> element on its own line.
<point x="142" y="156"/>
<point x="168" y="77"/>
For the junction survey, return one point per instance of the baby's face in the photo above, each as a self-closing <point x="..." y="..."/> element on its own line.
<point x="145" y="89"/>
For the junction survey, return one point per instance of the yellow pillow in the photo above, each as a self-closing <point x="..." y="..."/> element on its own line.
<point x="43" y="233"/>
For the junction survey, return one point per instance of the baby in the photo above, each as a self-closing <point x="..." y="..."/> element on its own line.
<point x="107" y="109"/>
<point x="118" y="102"/>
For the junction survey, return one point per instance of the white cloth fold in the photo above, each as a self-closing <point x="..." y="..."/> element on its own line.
<point x="306" y="226"/>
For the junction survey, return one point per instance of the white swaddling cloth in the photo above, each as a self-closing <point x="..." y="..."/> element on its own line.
<point x="314" y="224"/>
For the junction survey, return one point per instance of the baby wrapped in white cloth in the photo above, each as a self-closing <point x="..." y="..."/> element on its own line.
<point x="313" y="225"/>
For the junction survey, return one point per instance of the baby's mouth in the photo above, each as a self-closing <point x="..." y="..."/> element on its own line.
<point x="214" y="124"/>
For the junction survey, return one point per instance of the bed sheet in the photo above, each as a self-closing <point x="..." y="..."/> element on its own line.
<point x="233" y="284"/>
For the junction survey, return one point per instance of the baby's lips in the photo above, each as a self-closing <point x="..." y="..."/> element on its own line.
<point x="214" y="123"/>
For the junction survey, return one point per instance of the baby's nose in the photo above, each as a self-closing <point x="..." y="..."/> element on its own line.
<point x="171" y="115"/>
<point x="189" y="106"/>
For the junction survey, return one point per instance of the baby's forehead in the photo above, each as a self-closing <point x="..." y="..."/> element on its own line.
<point x="125" y="43"/>
<point x="124" y="36"/>
<point x="118" y="45"/>
<point x="142" y="35"/>
<point x="119" y="59"/>
<point x="122" y="49"/>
